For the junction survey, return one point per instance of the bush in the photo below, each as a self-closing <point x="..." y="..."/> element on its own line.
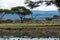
<point x="17" y="21"/>
<point x="1" y="21"/>
<point x="28" y="19"/>
<point x="9" y="21"/>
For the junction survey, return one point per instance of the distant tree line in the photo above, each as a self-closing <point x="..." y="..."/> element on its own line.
<point x="55" y="17"/>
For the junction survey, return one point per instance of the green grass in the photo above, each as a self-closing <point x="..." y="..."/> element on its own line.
<point x="29" y="25"/>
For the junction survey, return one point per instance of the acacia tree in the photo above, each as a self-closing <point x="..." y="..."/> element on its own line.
<point x="33" y="4"/>
<point x="3" y="12"/>
<point x="48" y="2"/>
<point x="7" y="11"/>
<point x="56" y="17"/>
<point x="48" y="19"/>
<point x="58" y="3"/>
<point x="21" y="12"/>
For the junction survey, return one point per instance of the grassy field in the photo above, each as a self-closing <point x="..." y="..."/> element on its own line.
<point x="29" y="25"/>
<point x="30" y="29"/>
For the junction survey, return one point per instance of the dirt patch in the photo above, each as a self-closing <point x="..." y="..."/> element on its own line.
<point x="30" y="32"/>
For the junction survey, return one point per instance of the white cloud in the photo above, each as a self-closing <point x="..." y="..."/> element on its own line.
<point x="46" y="8"/>
<point x="12" y="3"/>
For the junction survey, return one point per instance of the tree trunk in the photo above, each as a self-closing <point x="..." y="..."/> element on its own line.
<point x="21" y="19"/>
<point x="2" y="15"/>
<point x="32" y="18"/>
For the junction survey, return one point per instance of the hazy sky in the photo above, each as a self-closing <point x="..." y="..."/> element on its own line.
<point x="12" y="3"/>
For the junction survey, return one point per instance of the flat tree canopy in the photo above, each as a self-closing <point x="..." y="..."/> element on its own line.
<point x="21" y="11"/>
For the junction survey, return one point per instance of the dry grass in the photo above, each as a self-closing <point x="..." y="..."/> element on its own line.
<point x="28" y="25"/>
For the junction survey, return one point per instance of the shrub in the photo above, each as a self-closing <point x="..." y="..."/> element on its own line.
<point x="28" y="19"/>
<point x="17" y="21"/>
<point x="1" y="21"/>
<point x="9" y="21"/>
